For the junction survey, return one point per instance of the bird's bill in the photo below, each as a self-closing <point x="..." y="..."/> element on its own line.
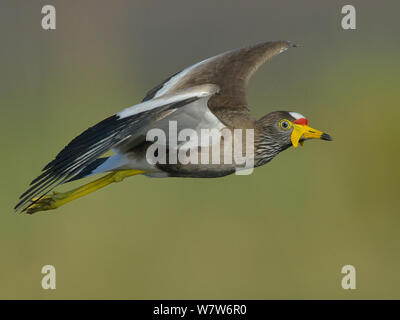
<point x="305" y="132"/>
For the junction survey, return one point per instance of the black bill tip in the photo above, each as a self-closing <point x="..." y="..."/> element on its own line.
<point x="326" y="136"/>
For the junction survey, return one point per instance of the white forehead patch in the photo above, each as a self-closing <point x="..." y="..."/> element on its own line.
<point x="297" y="115"/>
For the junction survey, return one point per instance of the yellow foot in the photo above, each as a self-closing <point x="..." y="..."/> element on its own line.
<point x="57" y="199"/>
<point x="49" y="202"/>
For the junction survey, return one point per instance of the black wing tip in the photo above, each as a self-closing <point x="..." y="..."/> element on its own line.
<point x="19" y="208"/>
<point x="22" y="209"/>
<point x="22" y="205"/>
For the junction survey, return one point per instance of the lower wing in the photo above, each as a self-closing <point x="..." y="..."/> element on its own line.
<point x="82" y="151"/>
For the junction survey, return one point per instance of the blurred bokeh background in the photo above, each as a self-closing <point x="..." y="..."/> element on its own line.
<point x="283" y="232"/>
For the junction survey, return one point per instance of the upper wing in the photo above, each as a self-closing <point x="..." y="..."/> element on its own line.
<point x="231" y="71"/>
<point x="97" y="140"/>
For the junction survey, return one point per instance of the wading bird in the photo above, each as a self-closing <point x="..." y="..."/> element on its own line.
<point x="208" y="95"/>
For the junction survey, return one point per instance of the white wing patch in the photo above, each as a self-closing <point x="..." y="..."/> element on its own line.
<point x="197" y="91"/>
<point x="170" y="84"/>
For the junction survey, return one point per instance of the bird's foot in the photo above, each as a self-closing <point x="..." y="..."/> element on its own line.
<point x="57" y="199"/>
<point x="48" y="202"/>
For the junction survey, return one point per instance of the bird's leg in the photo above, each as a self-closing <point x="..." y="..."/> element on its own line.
<point x="57" y="199"/>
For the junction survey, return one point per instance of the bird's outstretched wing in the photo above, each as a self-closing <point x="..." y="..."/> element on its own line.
<point x="230" y="71"/>
<point x="97" y="140"/>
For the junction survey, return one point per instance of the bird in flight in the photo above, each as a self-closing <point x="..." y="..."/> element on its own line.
<point x="209" y="95"/>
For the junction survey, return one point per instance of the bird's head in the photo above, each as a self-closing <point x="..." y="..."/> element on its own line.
<point x="281" y="129"/>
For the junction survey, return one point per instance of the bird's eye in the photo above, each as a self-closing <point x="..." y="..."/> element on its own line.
<point x="284" y="124"/>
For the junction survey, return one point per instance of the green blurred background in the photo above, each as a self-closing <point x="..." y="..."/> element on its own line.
<point x="283" y="232"/>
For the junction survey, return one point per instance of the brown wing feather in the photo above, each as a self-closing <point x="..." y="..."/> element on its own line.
<point x="231" y="71"/>
<point x="234" y="70"/>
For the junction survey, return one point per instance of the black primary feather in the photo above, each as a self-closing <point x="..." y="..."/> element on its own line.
<point x="82" y="151"/>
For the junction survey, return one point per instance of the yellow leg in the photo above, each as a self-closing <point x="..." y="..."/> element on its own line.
<point x="58" y="199"/>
